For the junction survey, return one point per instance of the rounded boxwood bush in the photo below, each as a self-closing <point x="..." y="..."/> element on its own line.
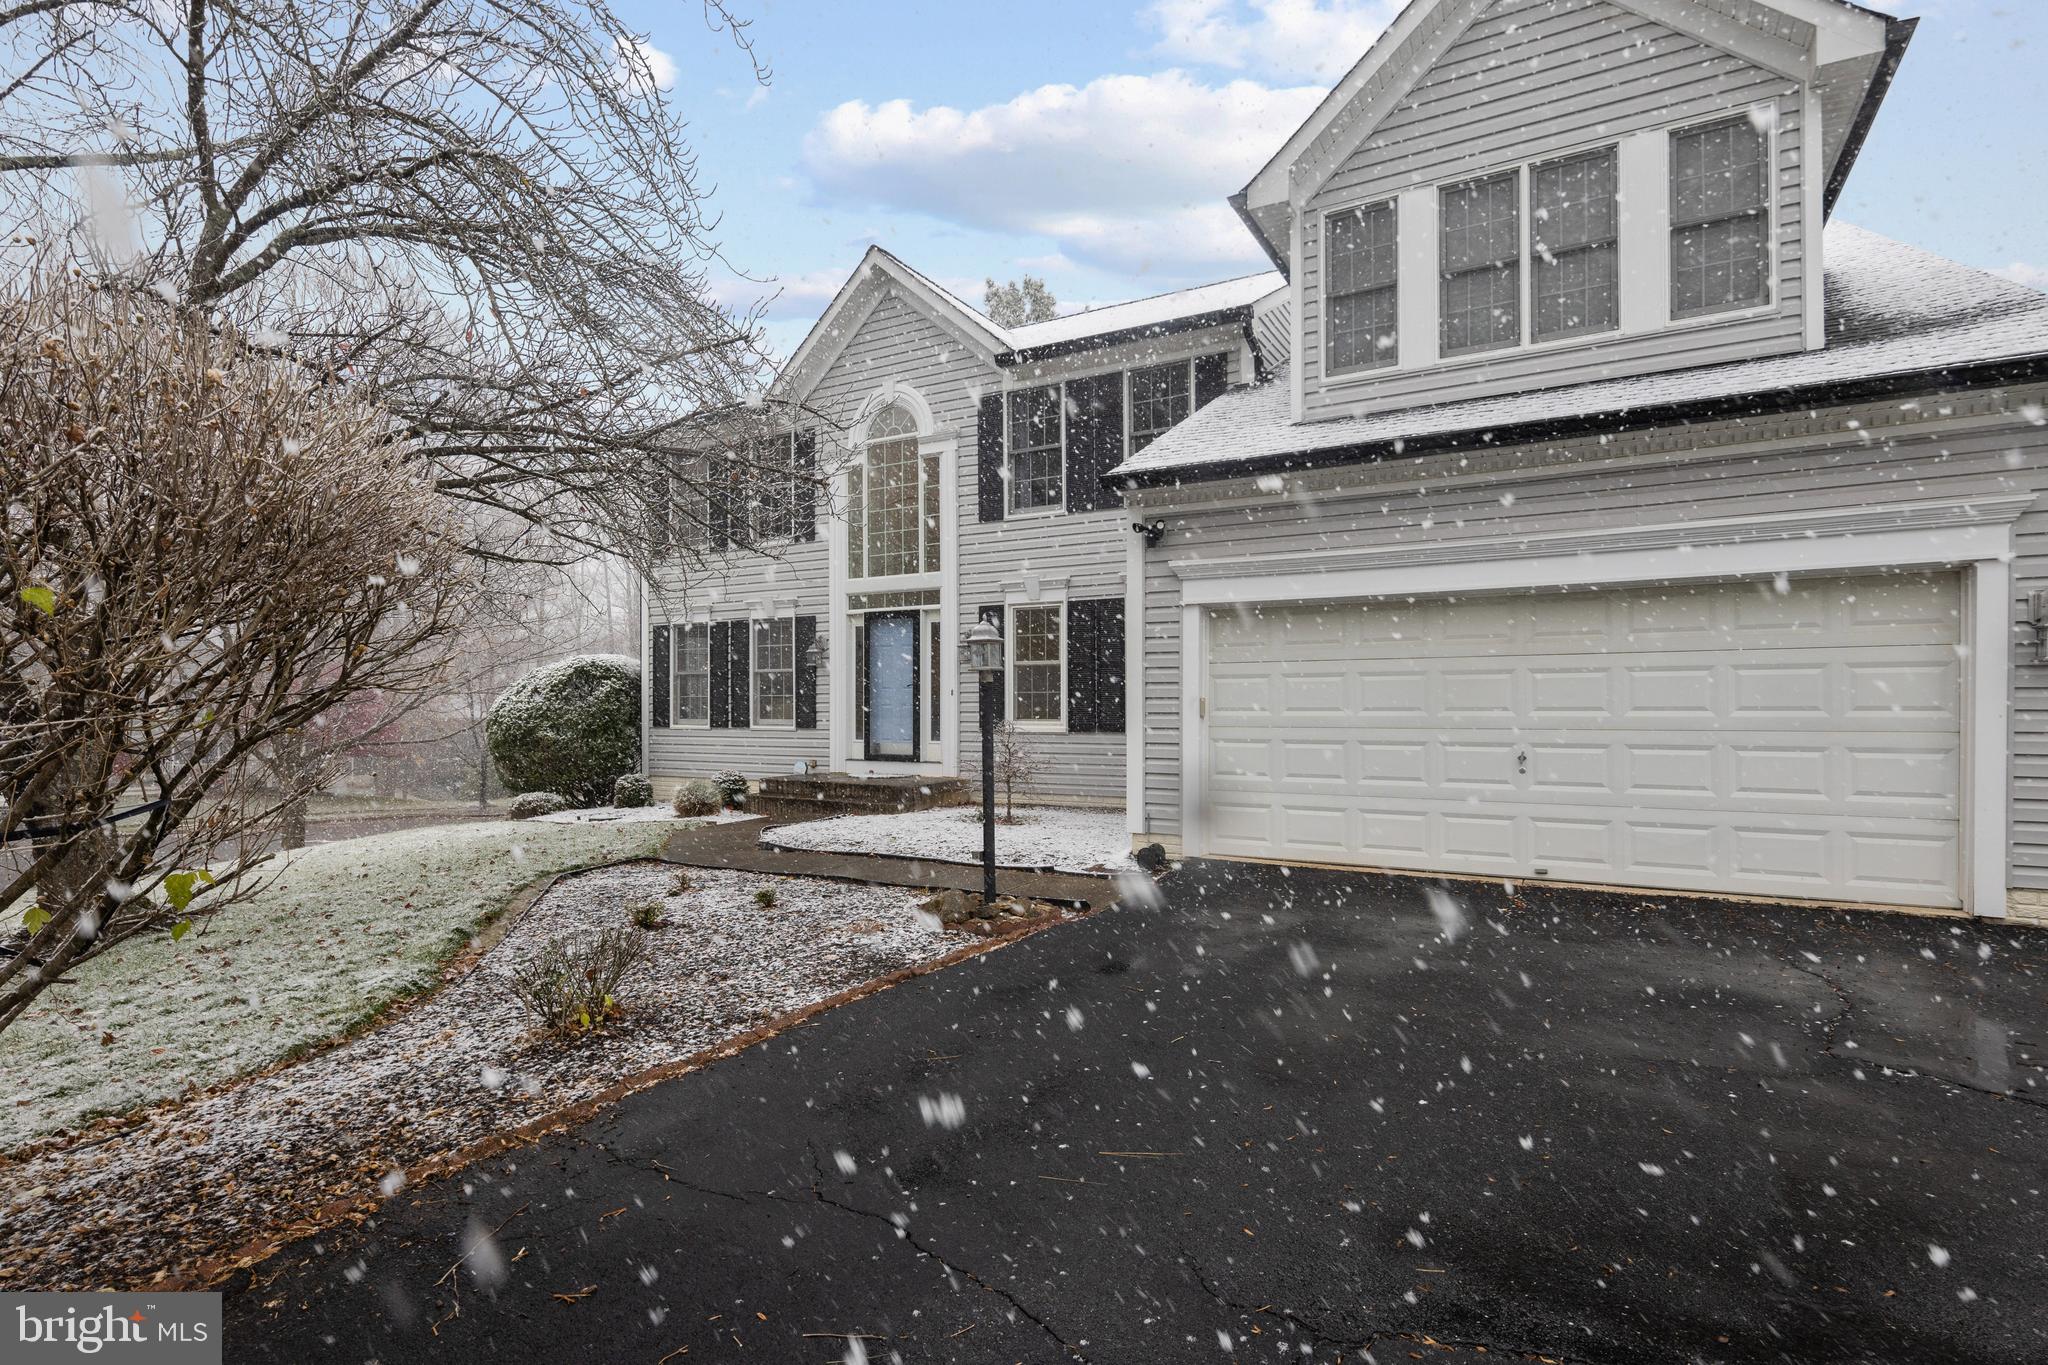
<point x="571" y="727"/>
<point x="631" y="791"/>
<point x="695" y="797"/>
<point x="536" y="803"/>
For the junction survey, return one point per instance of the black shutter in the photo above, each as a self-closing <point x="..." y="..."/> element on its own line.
<point x="806" y="513"/>
<point x="1212" y="377"/>
<point x="1095" y="440"/>
<point x="1082" y="718"/>
<point x="738" y="670"/>
<point x="658" y="683"/>
<point x="718" y="500"/>
<point x="806" y="673"/>
<point x="721" y="711"/>
<point x="988" y="434"/>
<point x="1109" y="666"/>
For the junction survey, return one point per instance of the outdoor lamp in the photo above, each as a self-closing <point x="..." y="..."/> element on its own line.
<point x="983" y="647"/>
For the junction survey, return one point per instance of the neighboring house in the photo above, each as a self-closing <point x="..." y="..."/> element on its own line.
<point x="1598" y="513"/>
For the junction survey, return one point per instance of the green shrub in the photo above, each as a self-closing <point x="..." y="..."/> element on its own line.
<point x="647" y="913"/>
<point x="732" y="786"/>
<point x="632" y="791"/>
<point x="765" y="898"/>
<point x="696" y="797"/>
<point x="571" y="727"/>
<point x="537" y="803"/>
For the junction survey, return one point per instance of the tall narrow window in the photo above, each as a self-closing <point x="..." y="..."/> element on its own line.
<point x="774" y="671"/>
<point x="892" y="502"/>
<point x="1574" y="232"/>
<point x="1720" y="219"/>
<point x="1363" y="275"/>
<point x="1161" y="398"/>
<point x="1038" y="693"/>
<point x="693" y="674"/>
<point x="1482" y="264"/>
<point x="1037" y="463"/>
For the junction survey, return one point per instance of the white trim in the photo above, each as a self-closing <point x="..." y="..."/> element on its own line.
<point x="1395" y="205"/>
<point x="675" y="672"/>
<point x="1059" y="504"/>
<point x="1975" y="537"/>
<point x="1752" y="45"/>
<point x="1035" y="601"/>
<point x="898" y="392"/>
<point x="1297" y="377"/>
<point x="1134" y="682"/>
<point x="754" y="619"/>
<point x="1773" y="168"/>
<point x="1987" y="795"/>
<point x="1813" y="181"/>
<point x="1643" y="160"/>
<point x="948" y="757"/>
<point x="1187" y="363"/>
<point x="829" y="336"/>
<point x="1194" y="727"/>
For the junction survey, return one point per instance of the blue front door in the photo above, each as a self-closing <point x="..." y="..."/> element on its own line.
<point x="890" y="690"/>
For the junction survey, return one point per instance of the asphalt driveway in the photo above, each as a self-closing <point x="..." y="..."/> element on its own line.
<point x="1285" y="1116"/>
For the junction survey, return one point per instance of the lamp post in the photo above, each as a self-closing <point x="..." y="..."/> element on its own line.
<point x="984" y="649"/>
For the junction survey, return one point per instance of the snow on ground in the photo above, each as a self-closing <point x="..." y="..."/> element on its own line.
<point x="634" y="815"/>
<point x="207" y="1176"/>
<point x="1047" y="837"/>
<point x="335" y="934"/>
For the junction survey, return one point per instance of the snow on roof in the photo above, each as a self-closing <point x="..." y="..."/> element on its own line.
<point x="1155" y="311"/>
<point x="1892" y="309"/>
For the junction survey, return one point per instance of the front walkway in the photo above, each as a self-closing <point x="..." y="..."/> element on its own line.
<point x="738" y="845"/>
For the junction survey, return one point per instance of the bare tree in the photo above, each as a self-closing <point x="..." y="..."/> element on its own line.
<point x="203" y="554"/>
<point x="1018" y="766"/>
<point x="483" y="212"/>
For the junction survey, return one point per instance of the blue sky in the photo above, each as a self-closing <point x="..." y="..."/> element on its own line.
<point x="1094" y="142"/>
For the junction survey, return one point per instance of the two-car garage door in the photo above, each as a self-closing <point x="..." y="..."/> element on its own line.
<point x="1781" y="738"/>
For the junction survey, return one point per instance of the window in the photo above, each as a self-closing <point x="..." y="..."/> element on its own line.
<point x="1575" y="263"/>
<point x="774" y="478"/>
<point x="1037" y="687"/>
<point x="1482" y="264"/>
<point x="1161" y="398"/>
<point x="892" y="497"/>
<point x="693" y="504"/>
<point x="1720" y="219"/>
<point x="1037" y="473"/>
<point x="774" y="671"/>
<point x="1364" y="266"/>
<point x="693" y="674"/>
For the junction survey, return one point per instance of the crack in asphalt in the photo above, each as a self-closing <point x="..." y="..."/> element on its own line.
<point x="668" y="1174"/>
<point x="1833" y="1026"/>
<point x="1341" y="1342"/>
<point x="902" y="1230"/>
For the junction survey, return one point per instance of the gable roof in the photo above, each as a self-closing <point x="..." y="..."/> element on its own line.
<point x="1899" y="321"/>
<point x="1848" y="53"/>
<point x="1206" y="305"/>
<point x="837" y="324"/>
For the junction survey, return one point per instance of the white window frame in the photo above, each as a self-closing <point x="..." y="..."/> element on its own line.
<point x="758" y="535"/>
<point x="675" y="674"/>
<point x="1628" y="246"/>
<point x="754" y="670"/>
<point x="1769" y="132"/>
<point x="1011" y="511"/>
<point x="1130" y="409"/>
<point x="1391" y="202"/>
<point x="934" y="493"/>
<point x="1010" y="610"/>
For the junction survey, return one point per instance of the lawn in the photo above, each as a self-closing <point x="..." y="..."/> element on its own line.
<point x="337" y="934"/>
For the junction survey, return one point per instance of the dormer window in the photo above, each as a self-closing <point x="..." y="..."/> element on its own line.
<point x="1573" y="248"/>
<point x="1364" y="274"/>
<point x="1720" y="219"/>
<point x="1482" y="264"/>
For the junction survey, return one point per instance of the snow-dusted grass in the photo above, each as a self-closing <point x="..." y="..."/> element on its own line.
<point x="337" y="932"/>
<point x="1044" y="837"/>
<point x="202" y="1179"/>
<point x="632" y="815"/>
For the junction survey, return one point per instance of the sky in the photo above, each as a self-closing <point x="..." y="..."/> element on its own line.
<point x="1094" y="143"/>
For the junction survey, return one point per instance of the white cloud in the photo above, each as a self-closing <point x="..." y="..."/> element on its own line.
<point x="641" y="61"/>
<point x="1129" y="173"/>
<point x="2033" y="276"/>
<point x="1288" y="39"/>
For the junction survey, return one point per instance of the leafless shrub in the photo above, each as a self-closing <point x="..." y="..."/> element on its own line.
<point x="203" y="554"/>
<point x="572" y="985"/>
<point x="1018" y="767"/>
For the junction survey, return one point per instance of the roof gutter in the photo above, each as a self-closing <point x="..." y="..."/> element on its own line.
<point x="1898" y="33"/>
<point x="1768" y="403"/>
<point x="1241" y="315"/>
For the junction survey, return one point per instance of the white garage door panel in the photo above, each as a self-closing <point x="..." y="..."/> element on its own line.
<point x="1798" y="738"/>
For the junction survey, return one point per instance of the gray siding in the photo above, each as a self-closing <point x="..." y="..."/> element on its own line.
<point x="1853" y="458"/>
<point x="1528" y="78"/>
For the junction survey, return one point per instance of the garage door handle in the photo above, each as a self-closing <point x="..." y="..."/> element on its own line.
<point x="1521" y="760"/>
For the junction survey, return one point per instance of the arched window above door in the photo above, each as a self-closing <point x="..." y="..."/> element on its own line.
<point x="892" y="501"/>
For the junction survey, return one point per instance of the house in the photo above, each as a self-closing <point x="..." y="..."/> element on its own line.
<point x="1583" y="506"/>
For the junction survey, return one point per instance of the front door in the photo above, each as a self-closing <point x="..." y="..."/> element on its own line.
<point x="889" y="692"/>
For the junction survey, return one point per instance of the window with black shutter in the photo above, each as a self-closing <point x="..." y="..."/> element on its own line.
<point x="658" y="677"/>
<point x="1095" y="666"/>
<point x="988" y="435"/>
<point x="1095" y="440"/>
<point x="806" y="673"/>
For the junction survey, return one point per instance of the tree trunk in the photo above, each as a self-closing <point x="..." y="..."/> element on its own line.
<point x="288" y="764"/>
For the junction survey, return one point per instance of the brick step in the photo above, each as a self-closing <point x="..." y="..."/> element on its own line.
<point x="821" y="796"/>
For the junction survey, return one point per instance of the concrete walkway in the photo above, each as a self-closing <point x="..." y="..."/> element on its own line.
<point x="737" y="845"/>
